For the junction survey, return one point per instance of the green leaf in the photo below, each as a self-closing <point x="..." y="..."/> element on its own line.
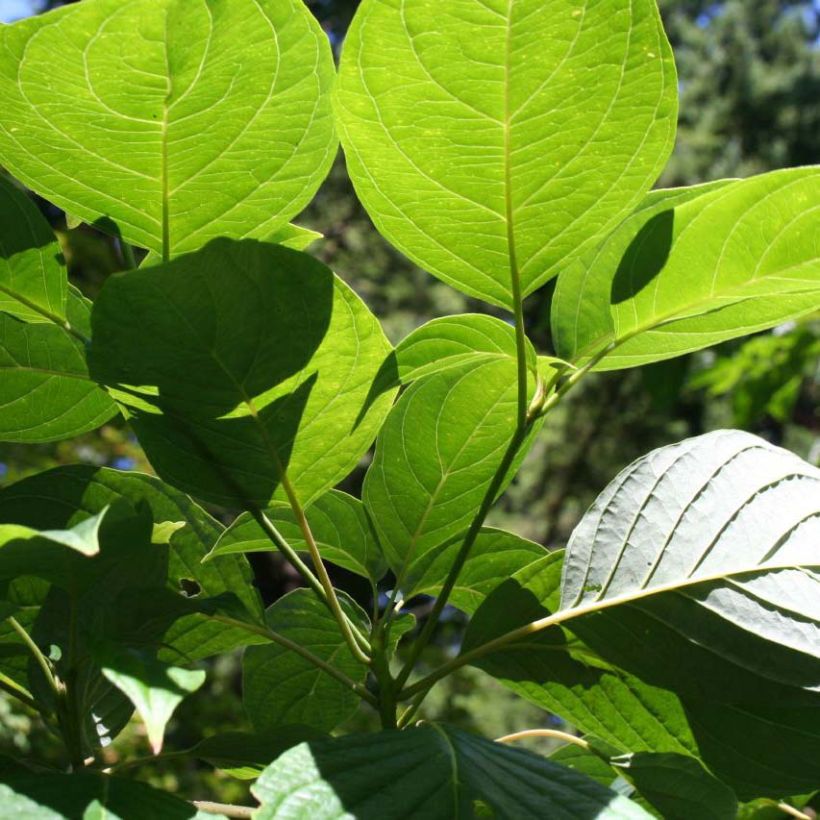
<point x="707" y="550"/>
<point x="33" y="281"/>
<point x="339" y="524"/>
<point x="495" y="556"/>
<point x="291" y="236"/>
<point x="244" y="755"/>
<point x="435" y="457"/>
<point x="281" y="688"/>
<point x="678" y="786"/>
<point x="768" y="752"/>
<point x="146" y="123"/>
<point x="238" y="365"/>
<point x="587" y="762"/>
<point x="65" y="496"/>
<point x="435" y="772"/>
<point x="694" y="267"/>
<point x="520" y="129"/>
<point x="155" y="688"/>
<point x="46" y="392"/>
<point x="70" y="796"/>
<point x="454" y="341"/>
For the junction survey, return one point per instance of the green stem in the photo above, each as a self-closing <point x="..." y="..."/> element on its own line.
<point x="47" y="314"/>
<point x="357" y="644"/>
<point x="387" y="685"/>
<point x="275" y="637"/>
<point x="11" y="688"/>
<point x="279" y="541"/>
<point x="38" y="656"/>
<point x="463" y="553"/>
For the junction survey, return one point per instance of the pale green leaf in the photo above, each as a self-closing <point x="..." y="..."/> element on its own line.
<point x="242" y="364"/>
<point x="339" y="525"/>
<point x="47" y="796"/>
<point x="281" y="688"/>
<point x="707" y="550"/>
<point x="453" y="341"/>
<point x="435" y="772"/>
<point x="155" y="688"/>
<point x="33" y="280"/>
<point x="46" y="392"/>
<point x="180" y="120"/>
<point x="435" y="457"/>
<point x="486" y="136"/>
<point x="694" y="267"/>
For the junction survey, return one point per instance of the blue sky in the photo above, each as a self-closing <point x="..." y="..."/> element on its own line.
<point x="11" y="10"/>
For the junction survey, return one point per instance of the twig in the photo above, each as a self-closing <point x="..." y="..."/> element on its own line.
<point x="551" y="733"/>
<point x="225" y="809"/>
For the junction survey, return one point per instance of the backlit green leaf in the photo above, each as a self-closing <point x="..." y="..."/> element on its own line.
<point x="281" y="688"/>
<point x="435" y="772"/>
<point x="179" y="121"/>
<point x="486" y="136"/>
<point x="454" y="341"/>
<point x="694" y="267"/>
<point x="33" y="281"/>
<point x="46" y="393"/>
<point x="241" y="364"/>
<point x="155" y="688"/>
<point x="339" y="525"/>
<point x="435" y="457"/>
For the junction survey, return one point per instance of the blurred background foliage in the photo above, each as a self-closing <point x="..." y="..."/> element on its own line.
<point x="750" y="102"/>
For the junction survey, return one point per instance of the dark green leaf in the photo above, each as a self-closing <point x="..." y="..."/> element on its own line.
<point x="65" y="496"/>
<point x="91" y="797"/>
<point x="678" y="786"/>
<point x="765" y="752"/>
<point x="435" y="772"/>
<point x="238" y="365"/>
<point x="244" y="755"/>
<point x="281" y="688"/>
